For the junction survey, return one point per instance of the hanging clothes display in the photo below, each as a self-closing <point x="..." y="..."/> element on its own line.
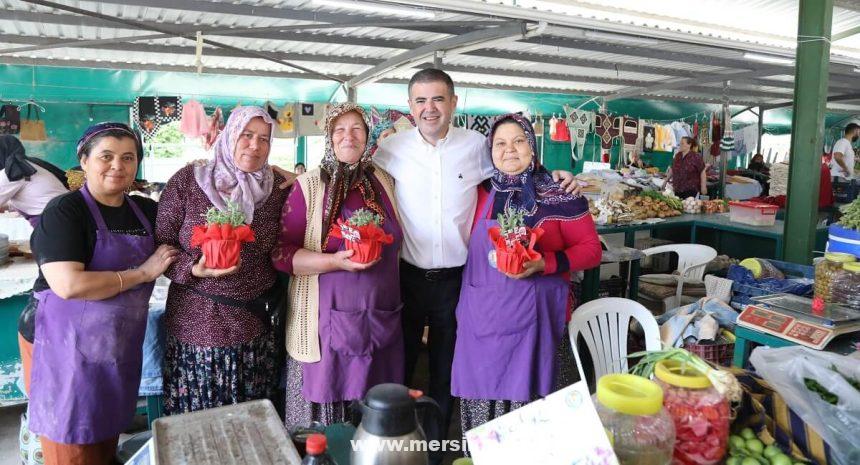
<point x="580" y="123"/>
<point x="629" y="132"/>
<point x="561" y="133"/>
<point x="552" y="126"/>
<point x="287" y="120"/>
<point x="479" y="123"/>
<point x="606" y="128"/>
<point x="704" y="136"/>
<point x="716" y="136"/>
<point x="311" y="119"/>
<point x="194" y="122"/>
<point x="150" y="113"/>
<point x="216" y="124"/>
<point x="538" y="125"/>
<point x="10" y="119"/>
<point x="648" y="139"/>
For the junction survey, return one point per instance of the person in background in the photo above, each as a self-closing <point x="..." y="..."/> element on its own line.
<point x="688" y="174"/>
<point x="842" y="164"/>
<point x="437" y="168"/>
<point x="511" y="347"/>
<point x="757" y="164"/>
<point x="300" y="168"/>
<point x="635" y="161"/>
<point x="83" y="330"/>
<point x="220" y="341"/>
<point x="27" y="184"/>
<point x="344" y="332"/>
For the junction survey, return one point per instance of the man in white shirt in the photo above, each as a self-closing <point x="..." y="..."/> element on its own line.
<point x="842" y="164"/>
<point x="437" y="169"/>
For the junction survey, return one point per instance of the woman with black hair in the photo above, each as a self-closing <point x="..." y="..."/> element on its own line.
<point x="83" y="330"/>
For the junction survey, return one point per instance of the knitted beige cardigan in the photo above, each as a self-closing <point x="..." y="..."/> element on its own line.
<point x="302" y="334"/>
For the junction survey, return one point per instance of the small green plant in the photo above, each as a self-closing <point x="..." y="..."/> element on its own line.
<point x="364" y="217"/>
<point x="511" y="220"/>
<point x="232" y="216"/>
<point x="851" y="215"/>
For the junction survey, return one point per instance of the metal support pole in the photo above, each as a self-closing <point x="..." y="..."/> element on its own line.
<point x="758" y="148"/>
<point x="351" y="94"/>
<point x="807" y="128"/>
<point x="437" y="60"/>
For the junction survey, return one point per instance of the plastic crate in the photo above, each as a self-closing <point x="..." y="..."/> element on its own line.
<point x="790" y="270"/>
<point x="720" y="353"/>
<point x="845" y="191"/>
<point x="753" y="213"/>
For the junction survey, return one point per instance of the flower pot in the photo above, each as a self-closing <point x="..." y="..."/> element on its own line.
<point x="365" y="251"/>
<point x="508" y="261"/>
<point x="221" y="253"/>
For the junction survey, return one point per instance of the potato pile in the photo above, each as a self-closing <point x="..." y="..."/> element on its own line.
<point x="643" y="208"/>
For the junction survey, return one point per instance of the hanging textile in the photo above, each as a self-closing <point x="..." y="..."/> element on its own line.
<point x="194" y="122"/>
<point x="479" y="123"/>
<point x="606" y="129"/>
<point x="152" y="112"/>
<point x="401" y="121"/>
<point x="704" y="136"/>
<point x="552" y="126"/>
<point x="287" y="120"/>
<point x="648" y="139"/>
<point x="716" y="137"/>
<point x="33" y="129"/>
<point x="216" y="124"/>
<point x="311" y="119"/>
<point x="629" y="132"/>
<point x="10" y="119"/>
<point x="580" y="123"/>
<point x="561" y="133"/>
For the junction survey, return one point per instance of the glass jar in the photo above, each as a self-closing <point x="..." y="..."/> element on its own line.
<point x="826" y="270"/>
<point x="631" y="410"/>
<point x="845" y="289"/>
<point x="700" y="413"/>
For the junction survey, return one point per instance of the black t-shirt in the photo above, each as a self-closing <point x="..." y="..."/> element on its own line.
<point x="67" y="233"/>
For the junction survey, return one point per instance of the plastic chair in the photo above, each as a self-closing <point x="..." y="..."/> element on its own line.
<point x="603" y="323"/>
<point x="692" y="260"/>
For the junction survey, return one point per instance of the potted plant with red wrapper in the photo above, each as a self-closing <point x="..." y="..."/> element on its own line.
<point x="514" y="241"/>
<point x="363" y="235"/>
<point x="222" y="236"/>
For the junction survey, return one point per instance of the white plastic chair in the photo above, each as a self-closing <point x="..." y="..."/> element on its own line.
<point x="692" y="260"/>
<point x="603" y="323"/>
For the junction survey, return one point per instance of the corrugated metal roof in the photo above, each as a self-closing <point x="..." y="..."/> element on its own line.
<point x="615" y="47"/>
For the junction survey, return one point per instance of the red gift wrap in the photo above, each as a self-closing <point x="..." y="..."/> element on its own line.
<point x="366" y="241"/>
<point x="511" y="259"/>
<point x="221" y="243"/>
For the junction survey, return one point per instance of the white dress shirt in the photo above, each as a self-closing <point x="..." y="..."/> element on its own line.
<point x="436" y="192"/>
<point x="844" y="147"/>
<point x="30" y="197"/>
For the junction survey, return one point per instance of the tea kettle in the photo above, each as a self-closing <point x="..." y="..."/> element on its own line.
<point x="389" y="433"/>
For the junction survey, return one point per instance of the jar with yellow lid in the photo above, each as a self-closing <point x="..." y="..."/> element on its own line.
<point x="826" y="270"/>
<point x="700" y="413"/>
<point x="845" y="289"/>
<point x="631" y="410"/>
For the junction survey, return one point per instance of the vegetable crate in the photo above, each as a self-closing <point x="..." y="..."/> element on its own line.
<point x="845" y="191"/>
<point x="720" y="353"/>
<point x="790" y="270"/>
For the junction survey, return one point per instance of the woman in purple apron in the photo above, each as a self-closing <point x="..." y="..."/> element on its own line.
<point x="92" y="303"/>
<point x="343" y="327"/>
<point x="27" y="184"/>
<point x="521" y="318"/>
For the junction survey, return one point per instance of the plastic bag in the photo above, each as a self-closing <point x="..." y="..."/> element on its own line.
<point x="838" y="425"/>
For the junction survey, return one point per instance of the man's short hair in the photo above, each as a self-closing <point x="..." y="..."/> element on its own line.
<point x="432" y="75"/>
<point x="848" y="129"/>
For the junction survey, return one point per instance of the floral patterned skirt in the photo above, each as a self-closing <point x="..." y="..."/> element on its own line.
<point x="303" y="413"/>
<point x="198" y="377"/>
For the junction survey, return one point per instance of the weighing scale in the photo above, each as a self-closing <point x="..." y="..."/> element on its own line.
<point x="791" y="317"/>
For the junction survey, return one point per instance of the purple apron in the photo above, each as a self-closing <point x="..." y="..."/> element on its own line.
<point x="508" y="330"/>
<point x="87" y="353"/>
<point x="361" y="340"/>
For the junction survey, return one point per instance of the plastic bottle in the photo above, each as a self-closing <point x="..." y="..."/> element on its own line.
<point x="316" y="451"/>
